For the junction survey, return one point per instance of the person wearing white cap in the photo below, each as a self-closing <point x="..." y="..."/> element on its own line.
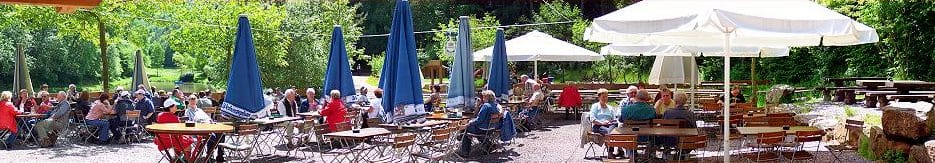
<point x="181" y="144"/>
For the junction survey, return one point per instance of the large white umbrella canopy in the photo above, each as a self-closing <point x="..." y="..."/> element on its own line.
<point x="688" y="51"/>
<point x="536" y="46"/>
<point x="776" y="23"/>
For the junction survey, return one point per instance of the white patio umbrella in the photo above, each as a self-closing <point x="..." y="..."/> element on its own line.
<point x="536" y="46"/>
<point x="777" y="23"/>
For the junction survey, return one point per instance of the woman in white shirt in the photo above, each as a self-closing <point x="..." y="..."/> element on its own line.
<point x="376" y="107"/>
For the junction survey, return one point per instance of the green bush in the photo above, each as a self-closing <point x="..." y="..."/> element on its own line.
<point x="863" y="148"/>
<point x="850" y="112"/>
<point x="376" y="65"/>
<point x="894" y="157"/>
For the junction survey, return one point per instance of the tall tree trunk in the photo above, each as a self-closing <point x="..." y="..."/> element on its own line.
<point x="105" y="71"/>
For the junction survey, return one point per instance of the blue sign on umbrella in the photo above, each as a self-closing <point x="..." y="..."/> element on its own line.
<point x="244" y="96"/>
<point x="461" y="86"/>
<point x="499" y="80"/>
<point x="400" y="78"/>
<point x="338" y="73"/>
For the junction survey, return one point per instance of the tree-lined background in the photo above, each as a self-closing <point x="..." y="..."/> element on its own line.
<point x="292" y="38"/>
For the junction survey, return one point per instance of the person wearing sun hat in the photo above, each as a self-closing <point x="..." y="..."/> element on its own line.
<point x="181" y="144"/>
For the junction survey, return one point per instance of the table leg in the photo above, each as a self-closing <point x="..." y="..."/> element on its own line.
<point x="870" y="101"/>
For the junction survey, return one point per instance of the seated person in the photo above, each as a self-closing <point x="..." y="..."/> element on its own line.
<point x="602" y="116"/>
<point x="47" y="129"/>
<point x="664" y="101"/>
<point x="204" y="101"/>
<point x="23" y="102"/>
<point x="360" y="98"/>
<point x="434" y="100"/>
<point x="681" y="112"/>
<point x="290" y="105"/>
<point x="145" y="106"/>
<point x="122" y="104"/>
<point x="481" y="121"/>
<point x="334" y="111"/>
<point x="532" y="103"/>
<point x="310" y="103"/>
<point x="8" y="118"/>
<point x="194" y="113"/>
<point x="375" y="112"/>
<point x="45" y="105"/>
<point x="95" y="118"/>
<point x="735" y="97"/>
<point x="639" y="110"/>
<point x="181" y="144"/>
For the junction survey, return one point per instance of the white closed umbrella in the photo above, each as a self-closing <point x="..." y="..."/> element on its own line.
<point x="775" y="23"/>
<point x="536" y="46"/>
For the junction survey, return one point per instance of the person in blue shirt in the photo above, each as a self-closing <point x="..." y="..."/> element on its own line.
<point x="640" y="109"/>
<point x="487" y="110"/>
<point x="145" y="105"/>
<point x="602" y="116"/>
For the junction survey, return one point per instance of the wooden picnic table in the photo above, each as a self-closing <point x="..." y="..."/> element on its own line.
<point x="760" y="130"/>
<point x="839" y="82"/>
<point x="903" y="87"/>
<point x="655" y="131"/>
<point x="309" y="114"/>
<point x="202" y="130"/>
<point x="872" y="84"/>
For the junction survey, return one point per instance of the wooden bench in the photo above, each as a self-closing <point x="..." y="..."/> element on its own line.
<point x="912" y="98"/>
<point x="871" y="98"/>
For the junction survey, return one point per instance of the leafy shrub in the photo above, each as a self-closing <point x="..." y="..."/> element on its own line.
<point x="850" y="112"/>
<point x="894" y="157"/>
<point x="863" y="148"/>
<point x="376" y="65"/>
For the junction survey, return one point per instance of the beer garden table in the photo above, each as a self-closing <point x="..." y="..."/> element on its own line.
<point x="24" y="119"/>
<point x="272" y="131"/>
<point x="360" y="136"/>
<point x="747" y="131"/>
<point x="202" y="130"/>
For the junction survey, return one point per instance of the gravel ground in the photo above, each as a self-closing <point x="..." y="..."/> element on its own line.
<point x="557" y="142"/>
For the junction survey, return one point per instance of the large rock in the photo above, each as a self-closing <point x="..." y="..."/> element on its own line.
<point x="880" y="143"/>
<point x="780" y="94"/>
<point x="903" y="124"/>
<point x="924" y="153"/>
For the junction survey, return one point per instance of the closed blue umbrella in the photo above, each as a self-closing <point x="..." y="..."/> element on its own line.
<point x="499" y="80"/>
<point x="338" y="73"/>
<point x="244" y="97"/>
<point x="400" y="79"/>
<point x="461" y="86"/>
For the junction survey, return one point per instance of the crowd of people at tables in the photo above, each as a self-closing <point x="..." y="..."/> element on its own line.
<point x="638" y="105"/>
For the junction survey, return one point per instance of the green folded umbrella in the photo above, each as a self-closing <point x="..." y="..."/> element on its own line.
<point x="21" y="71"/>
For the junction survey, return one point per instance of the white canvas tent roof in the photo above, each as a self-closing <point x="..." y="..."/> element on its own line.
<point x="538" y="46"/>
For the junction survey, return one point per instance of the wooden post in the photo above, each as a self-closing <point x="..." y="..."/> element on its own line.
<point x="756" y="91"/>
<point x="105" y="71"/>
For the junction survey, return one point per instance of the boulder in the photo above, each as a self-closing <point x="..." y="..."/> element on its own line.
<point x="780" y="94"/>
<point x="924" y="153"/>
<point x="903" y="124"/>
<point x="880" y="143"/>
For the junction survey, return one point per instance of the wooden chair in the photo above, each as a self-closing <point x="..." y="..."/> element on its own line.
<point x="242" y="141"/>
<point x="634" y="123"/>
<point x="211" y="111"/>
<point x="780" y="121"/>
<point x="711" y="107"/>
<point x="302" y="137"/>
<point x="853" y="127"/>
<point x="132" y="126"/>
<point x="765" y="145"/>
<point x="775" y="115"/>
<point x="338" y="149"/>
<point x="756" y="122"/>
<point x="626" y="142"/>
<point x="667" y="123"/>
<point x="401" y="149"/>
<point x="437" y="147"/>
<point x="686" y="144"/>
<point x="802" y="137"/>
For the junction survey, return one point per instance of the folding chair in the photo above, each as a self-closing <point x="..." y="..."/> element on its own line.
<point x="4" y="134"/>
<point x="302" y="137"/>
<point x="626" y="142"/>
<point x="401" y="151"/>
<point x="326" y="146"/>
<point x="436" y="148"/>
<point x="686" y="144"/>
<point x="852" y="127"/>
<point x="798" y="153"/>
<point x="756" y="122"/>
<point x="242" y="141"/>
<point x="131" y="127"/>
<point x="89" y="131"/>
<point x="489" y="137"/>
<point x="765" y="146"/>
<point x="780" y="121"/>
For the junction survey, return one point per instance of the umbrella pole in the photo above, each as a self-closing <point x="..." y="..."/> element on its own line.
<point x="726" y="104"/>
<point x="535" y="69"/>
<point x="756" y="89"/>
<point x="693" y="79"/>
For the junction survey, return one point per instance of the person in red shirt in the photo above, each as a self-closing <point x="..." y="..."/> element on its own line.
<point x="180" y="143"/>
<point x="8" y="118"/>
<point x="45" y="105"/>
<point x="334" y="111"/>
